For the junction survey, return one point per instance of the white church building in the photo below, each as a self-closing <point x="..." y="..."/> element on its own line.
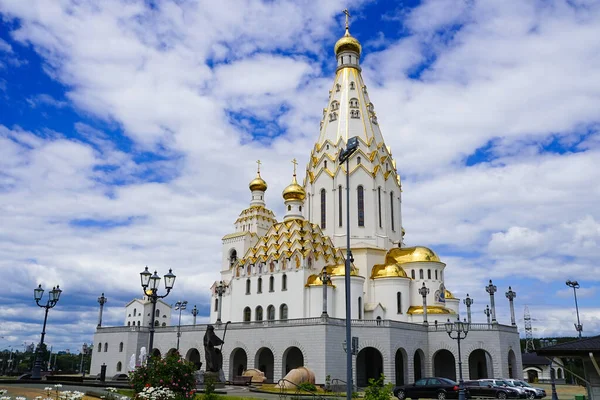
<point x="271" y="286"/>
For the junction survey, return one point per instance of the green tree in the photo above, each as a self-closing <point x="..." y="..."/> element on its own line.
<point x="377" y="390"/>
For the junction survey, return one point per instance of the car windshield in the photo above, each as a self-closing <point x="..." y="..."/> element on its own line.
<point x="525" y="384"/>
<point x="509" y="383"/>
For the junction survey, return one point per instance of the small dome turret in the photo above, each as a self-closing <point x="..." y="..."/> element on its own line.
<point x="258" y="183"/>
<point x="294" y="191"/>
<point x="347" y="43"/>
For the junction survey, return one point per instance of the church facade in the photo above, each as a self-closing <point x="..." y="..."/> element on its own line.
<point x="282" y="283"/>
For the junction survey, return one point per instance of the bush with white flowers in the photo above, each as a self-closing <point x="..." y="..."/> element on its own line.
<point x="156" y="393"/>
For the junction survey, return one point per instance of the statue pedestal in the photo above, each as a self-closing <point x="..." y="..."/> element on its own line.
<point x="216" y="378"/>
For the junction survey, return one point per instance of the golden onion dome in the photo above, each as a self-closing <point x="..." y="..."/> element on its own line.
<point x="294" y="191"/>
<point x="448" y="295"/>
<point x="430" y="310"/>
<point x="347" y="43"/>
<point x="340" y="270"/>
<point x="403" y="255"/>
<point x="388" y="271"/>
<point x="315" y="280"/>
<point x="258" y="183"/>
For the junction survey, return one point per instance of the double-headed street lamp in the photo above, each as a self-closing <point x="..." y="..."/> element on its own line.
<point x="101" y="300"/>
<point x="325" y="279"/>
<point x="468" y="302"/>
<point x="53" y="297"/>
<point x="461" y="329"/>
<point x="575" y="286"/>
<point x="194" y="313"/>
<point x="150" y="284"/>
<point x="510" y="295"/>
<point x="220" y="290"/>
<point x="344" y="157"/>
<point x="491" y="289"/>
<point x="180" y="305"/>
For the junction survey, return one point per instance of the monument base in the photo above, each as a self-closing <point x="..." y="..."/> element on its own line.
<point x="216" y="377"/>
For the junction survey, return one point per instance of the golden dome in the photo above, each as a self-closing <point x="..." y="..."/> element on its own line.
<point x="294" y="191"/>
<point x="388" y="271"/>
<point x="403" y="255"/>
<point x="340" y="270"/>
<point x="430" y="310"/>
<point x="258" y="183"/>
<point x="448" y="295"/>
<point x="315" y="280"/>
<point x="347" y="43"/>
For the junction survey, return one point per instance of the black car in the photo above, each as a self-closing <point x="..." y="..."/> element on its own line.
<point x="487" y="389"/>
<point x="428" y="388"/>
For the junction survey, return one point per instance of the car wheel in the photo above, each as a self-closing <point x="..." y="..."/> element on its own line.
<point x="441" y="396"/>
<point x="501" y="395"/>
<point x="401" y="395"/>
<point x="531" y="395"/>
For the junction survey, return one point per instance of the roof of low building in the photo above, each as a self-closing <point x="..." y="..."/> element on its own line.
<point x="579" y="346"/>
<point x="534" y="359"/>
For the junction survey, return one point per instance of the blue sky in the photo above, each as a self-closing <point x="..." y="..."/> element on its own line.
<point x="129" y="133"/>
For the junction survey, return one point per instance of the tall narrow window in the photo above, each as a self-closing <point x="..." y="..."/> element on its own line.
<point x="99" y="347"/>
<point x="134" y="312"/>
<point x="420" y="274"/>
<point x="428" y="274"/>
<point x="157" y="313"/>
<point x="119" y="366"/>
<point x="247" y="286"/>
<point x="121" y="347"/>
<point x="360" y="310"/>
<point x="399" y="303"/>
<point x="392" y="209"/>
<point x="360" y="197"/>
<point x="283" y="311"/>
<point x="258" y="313"/>
<point x="412" y="273"/>
<point x="284" y="282"/>
<point x="436" y="274"/>
<point x="325" y="164"/>
<point x="259" y="286"/>
<point x="358" y="160"/>
<point x="105" y="347"/>
<point x="379" y="204"/>
<point x="272" y="284"/>
<point x="270" y="313"/>
<point x="217" y="304"/>
<point x="247" y="314"/>
<point x="340" y="200"/>
<point x="323" y="208"/>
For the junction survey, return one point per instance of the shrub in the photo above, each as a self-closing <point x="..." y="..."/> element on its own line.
<point x="377" y="390"/>
<point x="171" y="373"/>
<point x="307" y="386"/>
<point x="209" y="388"/>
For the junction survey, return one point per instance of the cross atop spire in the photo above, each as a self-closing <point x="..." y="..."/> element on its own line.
<point x="295" y="163"/>
<point x="258" y="166"/>
<point x="347" y="21"/>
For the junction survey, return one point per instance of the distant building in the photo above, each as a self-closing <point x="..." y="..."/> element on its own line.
<point x="537" y="369"/>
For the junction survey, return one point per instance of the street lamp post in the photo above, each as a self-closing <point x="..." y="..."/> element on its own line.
<point x="510" y="295"/>
<point x="491" y="289"/>
<point x="180" y="305"/>
<point x="101" y="300"/>
<point x="53" y="297"/>
<point x="487" y="313"/>
<point x="194" y="314"/>
<point x="325" y="279"/>
<point x="150" y="284"/>
<point x="461" y="329"/>
<point x="83" y="351"/>
<point x="344" y="157"/>
<point x="220" y="290"/>
<point x="468" y="302"/>
<point x="424" y="291"/>
<point x="575" y="286"/>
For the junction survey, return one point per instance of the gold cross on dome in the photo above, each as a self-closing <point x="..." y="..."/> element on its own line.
<point x="295" y="163"/>
<point x="258" y="163"/>
<point x="347" y="18"/>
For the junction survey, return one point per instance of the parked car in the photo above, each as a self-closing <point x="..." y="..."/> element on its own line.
<point x="429" y="388"/>
<point x="503" y="383"/>
<point x="488" y="389"/>
<point x="532" y="392"/>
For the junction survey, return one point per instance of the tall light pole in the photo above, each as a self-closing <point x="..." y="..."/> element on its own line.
<point x="424" y="291"/>
<point x="220" y="290"/>
<point x="510" y="295"/>
<point x="83" y="351"/>
<point x="150" y="284"/>
<point x="325" y="279"/>
<point x="101" y="300"/>
<point x="575" y="286"/>
<point x="194" y="314"/>
<point x="491" y="289"/>
<point x="461" y="329"/>
<point x="344" y="157"/>
<point x="53" y="297"/>
<point x="487" y="313"/>
<point x="180" y="305"/>
<point x="468" y="302"/>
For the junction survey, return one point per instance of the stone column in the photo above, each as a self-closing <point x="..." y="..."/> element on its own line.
<point x="510" y="295"/>
<point x="468" y="302"/>
<point x="491" y="289"/>
<point x="424" y="291"/>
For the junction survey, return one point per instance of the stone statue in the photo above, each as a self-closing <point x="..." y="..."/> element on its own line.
<point x="214" y="358"/>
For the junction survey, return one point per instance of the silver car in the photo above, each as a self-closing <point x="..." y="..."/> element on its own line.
<point x="532" y="392"/>
<point x="501" y="382"/>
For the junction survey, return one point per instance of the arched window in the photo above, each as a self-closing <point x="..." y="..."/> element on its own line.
<point x="247" y="314"/>
<point x="323" y="208"/>
<point x="351" y="83"/>
<point x="232" y="257"/>
<point x="271" y="313"/>
<point x="134" y="312"/>
<point x="156" y="323"/>
<point x="247" y="286"/>
<point x="360" y="197"/>
<point x="138" y="323"/>
<point x="360" y="310"/>
<point x="325" y="163"/>
<point x="399" y="303"/>
<point x="259" y="286"/>
<point x="258" y="313"/>
<point x="283" y="311"/>
<point x="428" y="274"/>
<point x="128" y="323"/>
<point x="157" y="313"/>
<point x="164" y="324"/>
<point x="420" y="274"/>
<point x="379" y="205"/>
<point x="105" y="347"/>
<point x="119" y="366"/>
<point x="121" y="347"/>
<point x="378" y="320"/>
<point x="358" y="160"/>
<point x="392" y="209"/>
<point x="284" y="282"/>
<point x="99" y="347"/>
<point x="272" y="284"/>
<point x="436" y="274"/>
<point x="216" y="304"/>
<point x="340" y="198"/>
<point x="412" y="273"/>
<point x="559" y="373"/>
<point x="332" y="116"/>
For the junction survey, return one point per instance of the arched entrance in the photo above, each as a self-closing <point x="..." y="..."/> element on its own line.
<point x="193" y="356"/>
<point x="480" y="365"/>
<point x="400" y="367"/>
<point x="265" y="362"/>
<point x="238" y="363"/>
<point x="512" y="365"/>
<point x="292" y="358"/>
<point x="418" y="364"/>
<point x="532" y="375"/>
<point x="156" y="353"/>
<point x="369" y="364"/>
<point x="444" y="364"/>
<point x="171" y="351"/>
